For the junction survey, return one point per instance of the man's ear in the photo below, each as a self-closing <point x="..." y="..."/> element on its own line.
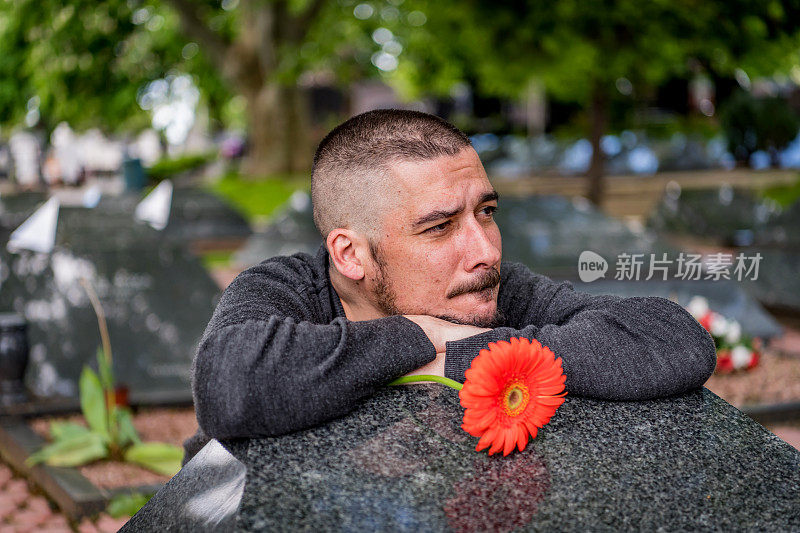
<point x="346" y="248"/>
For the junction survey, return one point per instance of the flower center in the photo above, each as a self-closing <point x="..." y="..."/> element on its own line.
<point x="515" y="398"/>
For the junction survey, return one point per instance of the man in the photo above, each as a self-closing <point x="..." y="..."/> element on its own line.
<point x="410" y="280"/>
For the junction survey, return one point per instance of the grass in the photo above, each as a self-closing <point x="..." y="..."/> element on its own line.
<point x="216" y="259"/>
<point x="257" y="199"/>
<point x="784" y="195"/>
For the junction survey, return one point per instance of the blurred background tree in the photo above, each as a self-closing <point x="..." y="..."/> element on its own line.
<point x="93" y="63"/>
<point x="597" y="52"/>
<point x="87" y="63"/>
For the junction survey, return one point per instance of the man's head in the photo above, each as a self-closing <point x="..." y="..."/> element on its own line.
<point x="405" y="207"/>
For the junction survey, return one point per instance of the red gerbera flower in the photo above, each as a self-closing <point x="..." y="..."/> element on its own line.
<point x="511" y="390"/>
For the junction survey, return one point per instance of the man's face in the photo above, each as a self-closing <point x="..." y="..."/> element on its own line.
<point x="439" y="249"/>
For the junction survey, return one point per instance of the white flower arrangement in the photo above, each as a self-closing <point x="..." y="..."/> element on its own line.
<point x="735" y="351"/>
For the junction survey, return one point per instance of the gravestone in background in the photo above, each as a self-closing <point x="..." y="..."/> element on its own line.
<point x="741" y="219"/>
<point x="195" y="215"/>
<point x="725" y="297"/>
<point x="156" y="294"/>
<point x="547" y="233"/>
<point x="778" y="282"/>
<point x="15" y="209"/>
<point x="731" y="216"/>
<point x="291" y="231"/>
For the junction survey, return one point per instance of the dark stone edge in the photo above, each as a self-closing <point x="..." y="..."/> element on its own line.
<point x="67" y="406"/>
<point x="773" y="413"/>
<point x="74" y="494"/>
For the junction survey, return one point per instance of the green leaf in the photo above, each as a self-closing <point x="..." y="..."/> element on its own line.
<point x="127" y="432"/>
<point x="127" y="504"/>
<point x="66" y="430"/>
<point x="93" y="403"/>
<point x="72" y="451"/>
<point x="106" y="376"/>
<point x="156" y="456"/>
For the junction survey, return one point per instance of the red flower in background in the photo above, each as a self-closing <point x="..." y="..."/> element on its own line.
<point x="511" y="390"/>
<point x="724" y="362"/>
<point x="705" y="320"/>
<point x="754" y="361"/>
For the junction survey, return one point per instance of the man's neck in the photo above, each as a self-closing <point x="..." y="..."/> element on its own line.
<point x="355" y="308"/>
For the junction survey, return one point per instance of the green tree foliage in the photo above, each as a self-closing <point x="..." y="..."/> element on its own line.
<point x="579" y="49"/>
<point x="751" y="124"/>
<point x="86" y="62"/>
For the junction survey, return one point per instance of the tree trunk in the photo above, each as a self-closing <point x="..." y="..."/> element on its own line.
<point x="278" y="132"/>
<point x="598" y="118"/>
<point x="279" y="140"/>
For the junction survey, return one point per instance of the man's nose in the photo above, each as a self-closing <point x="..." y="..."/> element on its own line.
<point x="481" y="250"/>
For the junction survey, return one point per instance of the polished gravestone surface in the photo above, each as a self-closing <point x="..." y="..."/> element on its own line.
<point x="732" y="216"/>
<point x="14" y="209"/>
<point x="291" y="231"/>
<point x="725" y="297"/>
<point x="401" y="462"/>
<point x="195" y="214"/>
<point x="157" y="297"/>
<point x="547" y="233"/>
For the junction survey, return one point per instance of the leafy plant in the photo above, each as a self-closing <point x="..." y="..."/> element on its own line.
<point x="127" y="504"/>
<point x="110" y="432"/>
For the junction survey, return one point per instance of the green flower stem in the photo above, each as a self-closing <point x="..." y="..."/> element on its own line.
<point x="438" y="379"/>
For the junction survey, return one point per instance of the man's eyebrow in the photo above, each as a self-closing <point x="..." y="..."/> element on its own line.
<point x="440" y="214"/>
<point x="436" y="215"/>
<point x="491" y="196"/>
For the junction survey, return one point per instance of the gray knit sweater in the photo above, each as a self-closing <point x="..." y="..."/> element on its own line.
<point x="279" y="355"/>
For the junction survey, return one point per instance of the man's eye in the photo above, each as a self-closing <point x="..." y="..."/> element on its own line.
<point x="489" y="209"/>
<point x="438" y="228"/>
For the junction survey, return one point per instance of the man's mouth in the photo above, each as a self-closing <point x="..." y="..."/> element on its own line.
<point x="484" y="283"/>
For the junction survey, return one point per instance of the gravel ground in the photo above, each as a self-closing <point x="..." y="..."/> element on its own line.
<point x="160" y="425"/>
<point x="776" y="379"/>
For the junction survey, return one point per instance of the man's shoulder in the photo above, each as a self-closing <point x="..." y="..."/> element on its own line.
<point x="299" y="270"/>
<point x="521" y="287"/>
<point x="512" y="272"/>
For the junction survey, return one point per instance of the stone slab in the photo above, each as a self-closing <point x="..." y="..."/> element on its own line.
<point x="401" y="462"/>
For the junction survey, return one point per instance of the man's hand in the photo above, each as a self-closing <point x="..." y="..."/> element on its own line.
<point x="439" y="332"/>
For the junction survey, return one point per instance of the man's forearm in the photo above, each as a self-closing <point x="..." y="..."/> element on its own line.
<point x="625" y="349"/>
<point x="266" y="378"/>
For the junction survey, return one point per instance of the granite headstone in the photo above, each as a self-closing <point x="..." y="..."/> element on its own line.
<point x="156" y="295"/>
<point x="400" y="462"/>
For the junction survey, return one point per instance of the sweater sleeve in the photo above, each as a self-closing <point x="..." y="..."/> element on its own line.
<point x="611" y="347"/>
<point x="265" y="368"/>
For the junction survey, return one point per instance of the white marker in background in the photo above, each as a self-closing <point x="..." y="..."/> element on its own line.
<point x="38" y="232"/>
<point x="155" y="207"/>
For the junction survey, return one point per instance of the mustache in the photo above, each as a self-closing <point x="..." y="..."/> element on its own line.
<point x="487" y="280"/>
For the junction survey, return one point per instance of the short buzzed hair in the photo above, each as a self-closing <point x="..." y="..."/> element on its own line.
<point x="352" y="163"/>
